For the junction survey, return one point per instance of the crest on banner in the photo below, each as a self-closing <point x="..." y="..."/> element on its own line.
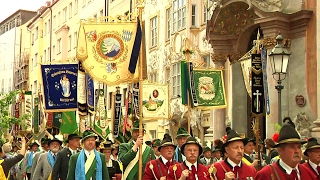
<point x="109" y="51"/>
<point x="155" y="101"/>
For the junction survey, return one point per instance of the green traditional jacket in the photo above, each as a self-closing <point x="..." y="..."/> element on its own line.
<point x="92" y="170"/>
<point x="126" y="155"/>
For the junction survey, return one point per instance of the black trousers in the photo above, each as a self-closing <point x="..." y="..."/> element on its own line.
<point x="29" y="176"/>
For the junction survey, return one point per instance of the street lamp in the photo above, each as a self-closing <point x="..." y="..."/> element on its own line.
<point x="279" y="59"/>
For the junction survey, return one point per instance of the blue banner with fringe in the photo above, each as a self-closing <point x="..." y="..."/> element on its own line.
<point x="60" y="87"/>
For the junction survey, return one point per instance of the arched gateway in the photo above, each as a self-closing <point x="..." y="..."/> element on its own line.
<point x="231" y="31"/>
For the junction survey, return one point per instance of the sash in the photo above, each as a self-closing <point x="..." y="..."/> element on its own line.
<point x="2" y="175"/>
<point x="92" y="169"/>
<point x="132" y="167"/>
<point x="246" y="161"/>
<point x="89" y="162"/>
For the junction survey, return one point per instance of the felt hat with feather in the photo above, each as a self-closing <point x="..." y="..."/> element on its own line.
<point x="288" y="134"/>
<point x="311" y="144"/>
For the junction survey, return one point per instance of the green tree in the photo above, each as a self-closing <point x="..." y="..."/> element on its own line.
<point x="6" y="118"/>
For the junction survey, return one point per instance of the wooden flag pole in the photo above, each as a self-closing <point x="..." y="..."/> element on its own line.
<point x="140" y="9"/>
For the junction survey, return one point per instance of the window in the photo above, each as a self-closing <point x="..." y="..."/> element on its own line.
<point x="35" y="60"/>
<point x="176" y="80"/>
<point x="49" y="26"/>
<point x="76" y="6"/>
<point x="193" y="15"/>
<point x="153" y="77"/>
<point x="124" y="93"/>
<point x="101" y="13"/>
<point x="45" y="28"/>
<point x="168" y="76"/>
<point x="75" y="39"/>
<point x="179" y="15"/>
<point x="206" y="60"/>
<point x="65" y="15"/>
<point x="168" y="24"/>
<point x="154" y="31"/>
<point x="205" y="14"/>
<point x="70" y="43"/>
<point x="53" y="53"/>
<point x="59" y="19"/>
<point x="153" y="134"/>
<point x="45" y="56"/>
<point x="110" y="100"/>
<point x="35" y="90"/>
<point x="70" y="10"/>
<point x="59" y="46"/>
<point x="37" y="33"/>
<point x="54" y="22"/>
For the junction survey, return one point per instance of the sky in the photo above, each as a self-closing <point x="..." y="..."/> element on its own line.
<point x="10" y="7"/>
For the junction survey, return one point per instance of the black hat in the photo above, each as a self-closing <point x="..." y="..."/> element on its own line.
<point x="217" y="148"/>
<point x="149" y="143"/>
<point x="45" y="141"/>
<point x="166" y="142"/>
<point x="34" y="144"/>
<point x="312" y="143"/>
<point x="191" y="140"/>
<point x="206" y="149"/>
<point x="72" y="136"/>
<point x="288" y="134"/>
<point x="106" y="145"/>
<point x="55" y="140"/>
<point x="247" y="140"/>
<point x="88" y="133"/>
<point x="231" y="137"/>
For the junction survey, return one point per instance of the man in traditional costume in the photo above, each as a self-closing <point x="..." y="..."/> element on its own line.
<point x="232" y="167"/>
<point x="155" y="146"/>
<point x="207" y="157"/>
<point x="129" y="154"/>
<point x="248" y="156"/>
<point x="45" y="148"/>
<point x="88" y="164"/>
<point x="46" y="161"/>
<point x="28" y="160"/>
<point x="287" y="167"/>
<point x="158" y="169"/>
<point x="190" y="168"/>
<point x="182" y="136"/>
<point x="60" y="168"/>
<point x="7" y="163"/>
<point x="216" y="153"/>
<point x="313" y="152"/>
<point x="112" y="165"/>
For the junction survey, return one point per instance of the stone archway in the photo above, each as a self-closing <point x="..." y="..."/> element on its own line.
<point x="229" y="32"/>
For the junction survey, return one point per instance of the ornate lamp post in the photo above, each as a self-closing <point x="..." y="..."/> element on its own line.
<point x="279" y="59"/>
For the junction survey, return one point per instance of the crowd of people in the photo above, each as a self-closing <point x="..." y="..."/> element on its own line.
<point x="234" y="158"/>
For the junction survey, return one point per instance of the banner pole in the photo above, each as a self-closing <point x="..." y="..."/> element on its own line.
<point x="140" y="9"/>
<point x="189" y="113"/>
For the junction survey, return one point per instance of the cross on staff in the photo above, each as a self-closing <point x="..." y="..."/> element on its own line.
<point x="257" y="94"/>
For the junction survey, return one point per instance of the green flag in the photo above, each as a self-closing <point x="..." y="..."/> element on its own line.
<point x="69" y="123"/>
<point x="185" y="82"/>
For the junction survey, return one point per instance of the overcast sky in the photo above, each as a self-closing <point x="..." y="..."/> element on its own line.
<point x="9" y="7"/>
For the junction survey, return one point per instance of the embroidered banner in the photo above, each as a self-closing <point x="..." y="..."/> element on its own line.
<point x="109" y="50"/>
<point x="245" y="64"/>
<point x="135" y="98"/>
<point x="36" y="116"/>
<point x="28" y="109"/>
<point x="117" y="114"/>
<point x="187" y="84"/>
<point x="60" y="87"/>
<point x="57" y="116"/>
<point x="265" y="80"/>
<point x="155" y="101"/>
<point x="81" y="91"/>
<point x="90" y="94"/>
<point x="100" y="120"/>
<point x="257" y="94"/>
<point x="209" y="86"/>
<point x="69" y="123"/>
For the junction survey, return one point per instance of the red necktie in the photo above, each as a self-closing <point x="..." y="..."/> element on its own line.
<point x="194" y="172"/>
<point x="294" y="175"/>
<point x="318" y="169"/>
<point x="168" y="164"/>
<point x="235" y="171"/>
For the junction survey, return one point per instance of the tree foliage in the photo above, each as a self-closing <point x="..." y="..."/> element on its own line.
<point x="8" y="119"/>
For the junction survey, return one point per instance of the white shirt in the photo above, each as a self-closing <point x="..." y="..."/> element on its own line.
<point x="207" y="160"/>
<point x="189" y="166"/>
<point x="289" y="169"/>
<point x="314" y="166"/>
<point x="87" y="154"/>
<point x="109" y="163"/>
<point x="73" y="151"/>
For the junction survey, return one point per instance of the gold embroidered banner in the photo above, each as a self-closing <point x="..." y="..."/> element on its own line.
<point x="155" y="101"/>
<point x="109" y="51"/>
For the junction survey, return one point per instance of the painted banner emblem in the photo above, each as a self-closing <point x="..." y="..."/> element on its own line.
<point x="60" y="87"/>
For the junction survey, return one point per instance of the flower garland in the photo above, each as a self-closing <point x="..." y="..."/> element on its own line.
<point x="187" y="51"/>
